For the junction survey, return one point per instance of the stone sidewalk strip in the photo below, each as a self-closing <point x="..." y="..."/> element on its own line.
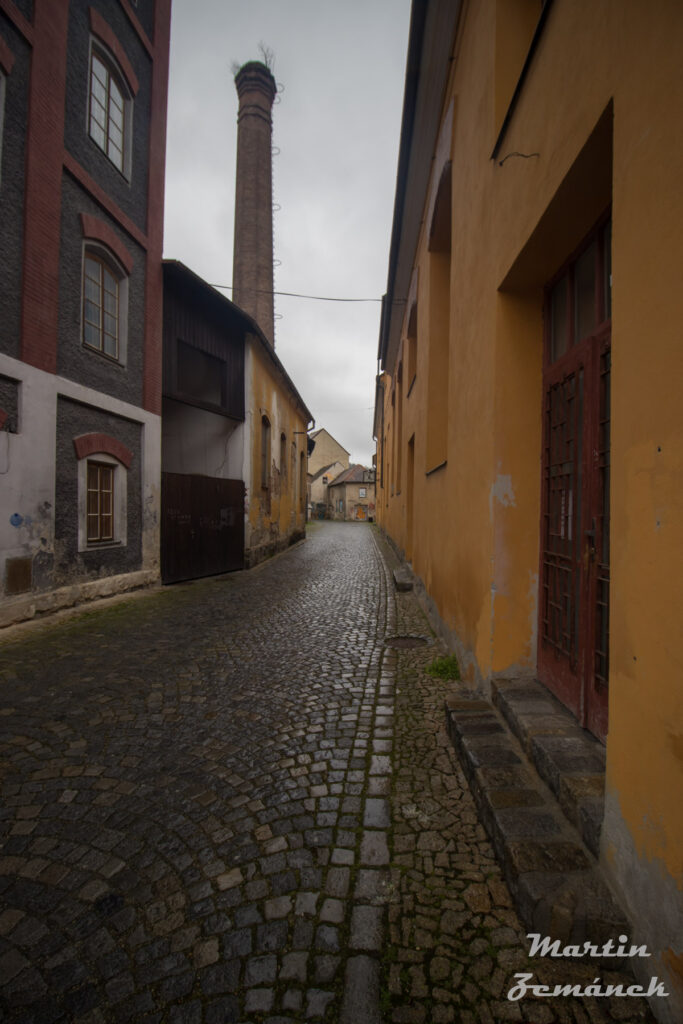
<point x="455" y="941"/>
<point x="228" y="801"/>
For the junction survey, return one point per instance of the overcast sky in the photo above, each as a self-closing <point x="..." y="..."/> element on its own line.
<point x="336" y="122"/>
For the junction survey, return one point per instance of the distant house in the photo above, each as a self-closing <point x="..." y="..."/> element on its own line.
<point x="234" y="436"/>
<point x="326" y="451"/>
<point x="318" y="489"/>
<point x="326" y="460"/>
<point x="352" y="494"/>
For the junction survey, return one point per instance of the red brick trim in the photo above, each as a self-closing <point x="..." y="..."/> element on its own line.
<point x="154" y="284"/>
<point x="92" y="444"/>
<point x="43" y="187"/>
<point x="92" y="227"/>
<point x="18" y="20"/>
<point x="133" y="19"/>
<point x="101" y="197"/>
<point x="6" y="57"/>
<point x="3" y="418"/>
<point x="101" y="29"/>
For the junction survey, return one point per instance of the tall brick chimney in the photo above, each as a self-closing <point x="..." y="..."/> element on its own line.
<point x="252" y="272"/>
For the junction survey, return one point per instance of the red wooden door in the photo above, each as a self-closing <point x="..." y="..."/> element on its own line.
<point x="574" y="597"/>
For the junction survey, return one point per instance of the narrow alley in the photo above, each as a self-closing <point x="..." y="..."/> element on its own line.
<point x="231" y="801"/>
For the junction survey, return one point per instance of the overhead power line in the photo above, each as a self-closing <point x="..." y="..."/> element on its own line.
<point x="299" y="295"/>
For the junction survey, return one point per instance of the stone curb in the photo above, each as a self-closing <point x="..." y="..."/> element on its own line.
<point x="554" y="880"/>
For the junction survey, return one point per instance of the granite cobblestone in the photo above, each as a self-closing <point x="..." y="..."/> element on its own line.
<point x="228" y="801"/>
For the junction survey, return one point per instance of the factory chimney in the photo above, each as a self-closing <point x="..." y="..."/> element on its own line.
<point x="252" y="272"/>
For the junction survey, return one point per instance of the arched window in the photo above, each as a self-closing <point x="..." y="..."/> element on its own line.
<point x="107" y="264"/>
<point x="438" y="339"/>
<point x="109" y="108"/>
<point x="412" y="345"/>
<point x="283" y="457"/>
<point x="101" y="304"/>
<point x="265" y="452"/>
<point x="103" y="464"/>
<point x="302" y="481"/>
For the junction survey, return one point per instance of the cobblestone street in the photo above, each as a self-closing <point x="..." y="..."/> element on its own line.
<point x="229" y="801"/>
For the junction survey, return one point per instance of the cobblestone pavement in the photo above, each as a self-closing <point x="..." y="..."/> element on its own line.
<point x="207" y="814"/>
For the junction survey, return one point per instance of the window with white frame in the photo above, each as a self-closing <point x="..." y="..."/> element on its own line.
<point x="105" y="304"/>
<point x="103" y="502"/>
<point x="110" y="110"/>
<point x="100" y="502"/>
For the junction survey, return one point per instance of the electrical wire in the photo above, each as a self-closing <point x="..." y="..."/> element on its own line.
<point x="298" y="295"/>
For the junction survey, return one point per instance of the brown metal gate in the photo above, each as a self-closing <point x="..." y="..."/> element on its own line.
<point x="202" y="526"/>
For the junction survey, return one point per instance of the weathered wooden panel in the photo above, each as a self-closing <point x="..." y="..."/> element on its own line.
<point x="202" y="526"/>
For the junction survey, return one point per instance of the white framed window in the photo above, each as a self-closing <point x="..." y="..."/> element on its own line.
<point x="110" y="110"/>
<point x="105" y="304"/>
<point x="102" y="502"/>
<point x="362" y="492"/>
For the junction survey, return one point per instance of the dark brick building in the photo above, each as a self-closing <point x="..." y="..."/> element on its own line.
<point x="83" y="91"/>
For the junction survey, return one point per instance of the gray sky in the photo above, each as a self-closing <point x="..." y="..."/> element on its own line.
<point x="336" y="123"/>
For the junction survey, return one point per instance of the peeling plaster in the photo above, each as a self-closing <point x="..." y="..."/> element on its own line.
<point x="502" y="491"/>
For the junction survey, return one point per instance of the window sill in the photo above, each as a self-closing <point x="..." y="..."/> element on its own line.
<point x="435" y="469"/>
<point x="98" y="352"/>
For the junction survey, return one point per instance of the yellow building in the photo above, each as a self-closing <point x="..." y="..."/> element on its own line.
<point x="530" y="445"/>
<point x="234" y="436"/>
<point x="275" y="470"/>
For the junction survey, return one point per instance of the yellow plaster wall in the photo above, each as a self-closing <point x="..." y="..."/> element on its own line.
<point x="475" y="541"/>
<point x="274" y="516"/>
<point x="326" y="451"/>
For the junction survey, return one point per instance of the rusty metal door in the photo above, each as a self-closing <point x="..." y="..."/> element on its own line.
<point x="202" y="526"/>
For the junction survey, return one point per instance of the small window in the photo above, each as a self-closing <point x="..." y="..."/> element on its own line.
<point x="559" y="325"/>
<point x="585" y="316"/>
<point x="109" y="110"/>
<point x="283" y="456"/>
<point x="102" y="300"/>
<point x="362" y="492"/>
<point x="265" y="452"/>
<point x="100" y="502"/>
<point x="579" y="301"/>
<point x="201" y="376"/>
<point x="302" y="481"/>
<point x="325" y="479"/>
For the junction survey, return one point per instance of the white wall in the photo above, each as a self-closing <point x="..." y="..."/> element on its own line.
<point x="198" y="441"/>
<point x="27" y="484"/>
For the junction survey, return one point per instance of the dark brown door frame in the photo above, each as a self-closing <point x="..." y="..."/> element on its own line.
<point x="573" y="617"/>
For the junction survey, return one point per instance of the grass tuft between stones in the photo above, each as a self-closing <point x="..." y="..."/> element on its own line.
<point x="444" y="668"/>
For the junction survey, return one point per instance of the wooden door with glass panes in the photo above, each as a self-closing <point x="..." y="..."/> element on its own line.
<point x="573" y="650"/>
